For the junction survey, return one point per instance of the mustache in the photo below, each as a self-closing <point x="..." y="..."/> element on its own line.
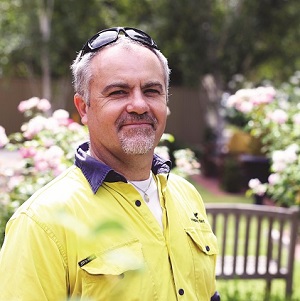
<point x="134" y="117"/>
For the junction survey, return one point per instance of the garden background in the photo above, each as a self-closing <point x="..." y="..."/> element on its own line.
<point x="234" y="97"/>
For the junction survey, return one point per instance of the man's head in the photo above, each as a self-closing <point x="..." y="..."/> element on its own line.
<point x="121" y="95"/>
<point x="111" y="36"/>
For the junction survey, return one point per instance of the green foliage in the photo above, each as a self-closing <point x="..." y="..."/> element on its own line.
<point x="211" y="36"/>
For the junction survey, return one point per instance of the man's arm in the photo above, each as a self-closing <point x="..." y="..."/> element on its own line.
<point x="31" y="266"/>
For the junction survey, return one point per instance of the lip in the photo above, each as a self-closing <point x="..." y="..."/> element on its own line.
<point x="137" y="124"/>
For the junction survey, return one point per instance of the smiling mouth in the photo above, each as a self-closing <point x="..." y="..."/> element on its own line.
<point x="137" y="121"/>
<point x="140" y="125"/>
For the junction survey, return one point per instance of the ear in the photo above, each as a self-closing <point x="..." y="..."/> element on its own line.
<point x="81" y="107"/>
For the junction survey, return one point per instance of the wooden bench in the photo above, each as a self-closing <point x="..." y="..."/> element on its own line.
<point x="255" y="242"/>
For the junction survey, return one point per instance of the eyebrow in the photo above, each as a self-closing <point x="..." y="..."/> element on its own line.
<point x="126" y="86"/>
<point x="153" y="84"/>
<point x="115" y="85"/>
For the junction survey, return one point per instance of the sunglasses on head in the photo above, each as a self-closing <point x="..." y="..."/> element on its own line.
<point x="110" y="35"/>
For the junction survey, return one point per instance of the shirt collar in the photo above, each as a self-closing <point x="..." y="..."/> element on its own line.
<point x="97" y="172"/>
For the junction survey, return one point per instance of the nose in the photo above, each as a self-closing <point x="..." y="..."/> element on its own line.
<point x="137" y="103"/>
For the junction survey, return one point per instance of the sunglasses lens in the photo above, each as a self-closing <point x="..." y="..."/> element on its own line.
<point x="103" y="39"/>
<point x="111" y="35"/>
<point x="141" y="37"/>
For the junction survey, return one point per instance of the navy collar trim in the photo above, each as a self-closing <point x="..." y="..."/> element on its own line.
<point x="97" y="172"/>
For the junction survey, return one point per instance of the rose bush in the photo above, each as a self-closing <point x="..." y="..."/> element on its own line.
<point x="45" y="145"/>
<point x="273" y="116"/>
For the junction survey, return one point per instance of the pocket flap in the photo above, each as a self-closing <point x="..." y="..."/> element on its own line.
<point x="204" y="239"/>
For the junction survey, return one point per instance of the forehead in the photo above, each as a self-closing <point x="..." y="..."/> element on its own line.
<point x="121" y="57"/>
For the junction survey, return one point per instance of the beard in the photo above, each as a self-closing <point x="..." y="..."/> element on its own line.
<point x="137" y="141"/>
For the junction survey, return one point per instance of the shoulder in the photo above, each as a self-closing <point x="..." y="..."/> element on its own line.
<point x="57" y="193"/>
<point x="179" y="182"/>
<point x="185" y="197"/>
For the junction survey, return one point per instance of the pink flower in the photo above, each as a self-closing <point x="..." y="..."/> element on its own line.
<point x="59" y="169"/>
<point x="41" y="165"/>
<point x="231" y="101"/>
<point x="28" y="104"/>
<point x="279" y="116"/>
<point x="44" y="105"/>
<point x="264" y="95"/>
<point x="28" y="152"/>
<point x="62" y="116"/>
<point x="245" y="107"/>
<point x="34" y="126"/>
<point x="3" y="138"/>
<point x="22" y="107"/>
<point x="74" y="126"/>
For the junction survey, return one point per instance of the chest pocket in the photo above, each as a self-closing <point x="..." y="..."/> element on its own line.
<point x="204" y="239"/>
<point x="112" y="273"/>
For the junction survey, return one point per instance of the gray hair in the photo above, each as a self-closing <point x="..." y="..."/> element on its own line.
<point x="82" y="74"/>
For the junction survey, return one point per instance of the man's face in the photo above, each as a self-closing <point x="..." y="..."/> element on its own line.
<point x="128" y="109"/>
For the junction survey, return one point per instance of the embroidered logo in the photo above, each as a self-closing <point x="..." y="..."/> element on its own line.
<point x="196" y="218"/>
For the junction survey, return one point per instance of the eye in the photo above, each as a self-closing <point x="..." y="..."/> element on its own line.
<point x="117" y="92"/>
<point x="152" y="92"/>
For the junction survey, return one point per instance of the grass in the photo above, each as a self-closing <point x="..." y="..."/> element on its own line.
<point x="248" y="290"/>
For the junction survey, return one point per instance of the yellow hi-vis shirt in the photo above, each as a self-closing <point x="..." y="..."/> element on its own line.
<point x="68" y="243"/>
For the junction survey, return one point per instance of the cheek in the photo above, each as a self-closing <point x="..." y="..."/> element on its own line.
<point x="162" y="114"/>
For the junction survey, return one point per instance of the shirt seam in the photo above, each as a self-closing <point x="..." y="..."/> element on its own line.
<point x="50" y="235"/>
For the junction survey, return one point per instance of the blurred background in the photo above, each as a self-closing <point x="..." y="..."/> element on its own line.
<point x="207" y="42"/>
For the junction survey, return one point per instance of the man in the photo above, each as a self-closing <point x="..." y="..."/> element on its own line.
<point x="117" y="225"/>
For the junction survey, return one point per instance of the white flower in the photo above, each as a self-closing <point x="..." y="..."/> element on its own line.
<point x="257" y="187"/>
<point x="296" y="118"/>
<point x="278" y="166"/>
<point x="253" y="183"/>
<point x="278" y="156"/>
<point x="274" y="178"/>
<point x="291" y="154"/>
<point x="15" y="181"/>
<point x="3" y="138"/>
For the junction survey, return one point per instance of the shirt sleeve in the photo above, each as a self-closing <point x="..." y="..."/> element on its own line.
<point x="31" y="265"/>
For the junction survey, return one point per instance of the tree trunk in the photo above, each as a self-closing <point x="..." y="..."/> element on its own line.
<point x="45" y="16"/>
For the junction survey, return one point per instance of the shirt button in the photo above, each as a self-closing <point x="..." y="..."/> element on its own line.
<point x="181" y="291"/>
<point x="207" y="248"/>
<point x="138" y="203"/>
